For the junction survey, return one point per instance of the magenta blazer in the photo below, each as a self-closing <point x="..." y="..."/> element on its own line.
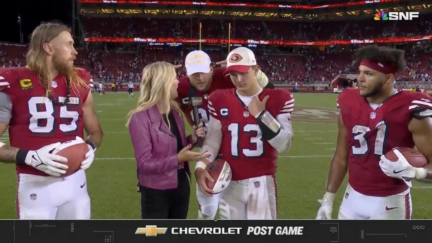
<point x="155" y="148"/>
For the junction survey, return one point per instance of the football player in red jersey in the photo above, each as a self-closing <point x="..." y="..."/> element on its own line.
<point x="202" y="80"/>
<point x="373" y="120"/>
<point x="249" y="125"/>
<point x="44" y="104"/>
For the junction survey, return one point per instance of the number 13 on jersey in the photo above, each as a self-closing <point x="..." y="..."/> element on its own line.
<point x="256" y="140"/>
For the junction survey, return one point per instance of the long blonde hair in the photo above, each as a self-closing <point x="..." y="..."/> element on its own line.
<point x="157" y="79"/>
<point x="37" y="57"/>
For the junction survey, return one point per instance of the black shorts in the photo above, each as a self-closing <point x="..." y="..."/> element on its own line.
<point x="130" y="90"/>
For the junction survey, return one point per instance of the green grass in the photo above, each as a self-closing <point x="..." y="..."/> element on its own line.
<point x="301" y="175"/>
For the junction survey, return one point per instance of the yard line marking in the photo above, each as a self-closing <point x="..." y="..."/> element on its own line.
<point x="422" y="187"/>
<point x="302" y="133"/>
<point x="282" y="156"/>
<point x="110" y="119"/>
<point x="323" y="131"/>
<point x="316" y="131"/>
<point x="109" y="104"/>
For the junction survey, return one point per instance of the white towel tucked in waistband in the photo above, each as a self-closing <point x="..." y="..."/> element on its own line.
<point x="258" y="206"/>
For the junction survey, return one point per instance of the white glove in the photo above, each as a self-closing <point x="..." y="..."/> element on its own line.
<point x="43" y="160"/>
<point x="325" y="211"/>
<point x="89" y="158"/>
<point x="401" y="169"/>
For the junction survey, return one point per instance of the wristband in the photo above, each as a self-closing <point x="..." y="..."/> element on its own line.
<point x="21" y="156"/>
<point x="201" y="165"/>
<point x="91" y="145"/>
<point x="2" y="144"/>
<point x="269" y="126"/>
<point x="329" y="196"/>
<point x="421" y="173"/>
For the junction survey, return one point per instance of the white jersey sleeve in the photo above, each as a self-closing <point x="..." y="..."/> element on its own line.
<point x="5" y="108"/>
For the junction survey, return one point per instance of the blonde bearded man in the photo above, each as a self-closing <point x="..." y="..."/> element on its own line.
<point x="44" y="104"/>
<point x="203" y="79"/>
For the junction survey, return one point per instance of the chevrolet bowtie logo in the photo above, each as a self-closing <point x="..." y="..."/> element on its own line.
<point x="151" y="230"/>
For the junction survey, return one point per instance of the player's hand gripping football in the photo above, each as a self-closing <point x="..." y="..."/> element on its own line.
<point x="257" y="106"/>
<point x="199" y="132"/>
<point x="201" y="176"/>
<point x="400" y="169"/>
<point x="43" y="160"/>
<point x="89" y="157"/>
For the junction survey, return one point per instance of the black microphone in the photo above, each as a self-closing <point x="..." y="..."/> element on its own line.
<point x="195" y="102"/>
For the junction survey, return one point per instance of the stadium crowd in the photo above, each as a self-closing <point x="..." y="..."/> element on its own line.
<point x="123" y="62"/>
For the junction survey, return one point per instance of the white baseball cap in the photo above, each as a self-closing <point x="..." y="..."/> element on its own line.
<point x="197" y="62"/>
<point x="240" y="60"/>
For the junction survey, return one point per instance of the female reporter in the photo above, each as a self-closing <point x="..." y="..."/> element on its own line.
<point x="162" y="150"/>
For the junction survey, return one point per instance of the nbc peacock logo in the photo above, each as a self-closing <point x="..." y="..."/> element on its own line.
<point x="381" y="16"/>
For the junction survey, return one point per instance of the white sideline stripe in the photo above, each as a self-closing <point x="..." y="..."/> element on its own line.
<point x="281" y="156"/>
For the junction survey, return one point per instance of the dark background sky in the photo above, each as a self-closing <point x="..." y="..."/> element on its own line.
<point x="32" y="12"/>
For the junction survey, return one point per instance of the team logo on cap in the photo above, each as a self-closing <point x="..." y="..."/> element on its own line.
<point x="235" y="58"/>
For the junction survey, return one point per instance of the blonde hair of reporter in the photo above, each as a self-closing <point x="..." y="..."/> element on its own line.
<point x="156" y="81"/>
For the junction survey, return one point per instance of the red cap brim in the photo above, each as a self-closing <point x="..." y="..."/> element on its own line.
<point x="236" y="68"/>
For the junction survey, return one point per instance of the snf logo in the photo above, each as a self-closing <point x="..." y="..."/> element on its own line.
<point x="396" y="16"/>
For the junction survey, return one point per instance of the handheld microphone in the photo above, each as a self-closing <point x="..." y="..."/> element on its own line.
<point x="195" y="102"/>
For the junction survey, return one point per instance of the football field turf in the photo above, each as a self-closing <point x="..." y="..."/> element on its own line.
<point x="301" y="175"/>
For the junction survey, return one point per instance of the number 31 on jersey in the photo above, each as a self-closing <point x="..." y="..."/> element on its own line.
<point x="361" y="134"/>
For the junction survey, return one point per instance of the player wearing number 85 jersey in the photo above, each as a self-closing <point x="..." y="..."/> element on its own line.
<point x="249" y="125"/>
<point x="373" y="120"/>
<point x="44" y="104"/>
<point x="205" y="79"/>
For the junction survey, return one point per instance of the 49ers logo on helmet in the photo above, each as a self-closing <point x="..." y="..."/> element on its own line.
<point x="235" y="58"/>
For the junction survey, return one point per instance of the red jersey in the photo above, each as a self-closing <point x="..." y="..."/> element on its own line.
<point x="36" y="121"/>
<point x="374" y="132"/>
<point x="218" y="82"/>
<point x="242" y="145"/>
